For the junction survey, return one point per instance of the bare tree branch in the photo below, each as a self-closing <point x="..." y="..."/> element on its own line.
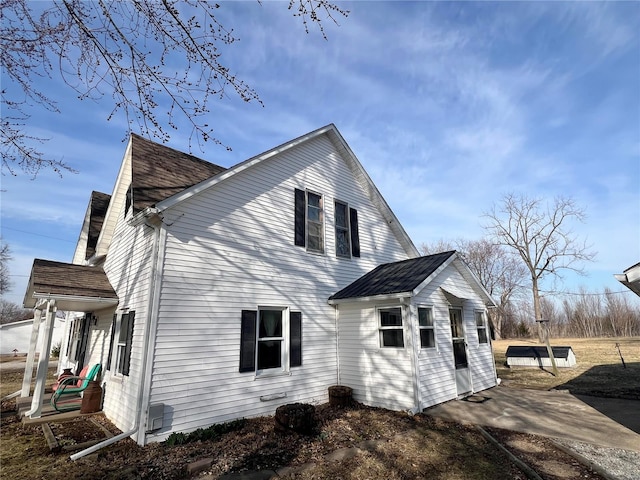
<point x="540" y="233"/>
<point x="123" y="50"/>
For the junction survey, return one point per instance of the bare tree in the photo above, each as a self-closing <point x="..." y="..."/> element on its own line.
<point x="5" y="257"/>
<point x="12" y="312"/>
<point x="121" y="50"/>
<point x="499" y="271"/>
<point x="539" y="232"/>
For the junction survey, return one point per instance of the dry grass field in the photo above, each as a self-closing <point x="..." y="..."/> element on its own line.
<point x="599" y="370"/>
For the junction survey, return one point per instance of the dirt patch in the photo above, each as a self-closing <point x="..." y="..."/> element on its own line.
<point x="391" y="445"/>
<point x="78" y="431"/>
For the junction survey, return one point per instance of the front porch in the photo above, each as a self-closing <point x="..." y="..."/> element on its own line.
<point x="57" y="286"/>
<point x="47" y="412"/>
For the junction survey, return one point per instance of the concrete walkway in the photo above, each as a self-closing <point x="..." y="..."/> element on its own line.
<point x="551" y="414"/>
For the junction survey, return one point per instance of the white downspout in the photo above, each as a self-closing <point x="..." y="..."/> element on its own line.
<point x="31" y="355"/>
<point x="154" y="306"/>
<point x="145" y="355"/>
<point x="43" y="362"/>
<point x="336" y="313"/>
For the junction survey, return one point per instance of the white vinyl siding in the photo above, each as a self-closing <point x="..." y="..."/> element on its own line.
<point x="229" y="249"/>
<point x="436" y="368"/>
<point x="380" y="377"/>
<point x="128" y="267"/>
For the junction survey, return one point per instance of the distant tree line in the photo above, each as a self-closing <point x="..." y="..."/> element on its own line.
<point x="527" y="241"/>
<point x="582" y="315"/>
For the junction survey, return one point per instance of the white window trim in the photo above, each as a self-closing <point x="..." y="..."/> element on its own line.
<point x="117" y="351"/>
<point x="401" y="327"/>
<point x="432" y="327"/>
<point x="485" y="326"/>
<point x="284" y="350"/>
<point x="115" y="370"/>
<point x="73" y="339"/>
<point x="322" y="223"/>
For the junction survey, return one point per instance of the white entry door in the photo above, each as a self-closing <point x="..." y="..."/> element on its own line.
<point x="463" y="375"/>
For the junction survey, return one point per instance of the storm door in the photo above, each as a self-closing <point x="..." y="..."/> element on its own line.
<point x="80" y="341"/>
<point x="463" y="375"/>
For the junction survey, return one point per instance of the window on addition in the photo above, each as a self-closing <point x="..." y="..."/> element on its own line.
<point x="427" y="328"/>
<point x="481" y="325"/>
<point x="391" y="331"/>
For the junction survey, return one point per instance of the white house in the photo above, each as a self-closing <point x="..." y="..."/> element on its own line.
<point x="210" y="294"/>
<point x="17" y="336"/>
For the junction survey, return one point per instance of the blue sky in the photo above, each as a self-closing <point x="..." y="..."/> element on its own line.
<point x="447" y="105"/>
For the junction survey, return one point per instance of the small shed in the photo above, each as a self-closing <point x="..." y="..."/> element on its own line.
<point x="537" y="356"/>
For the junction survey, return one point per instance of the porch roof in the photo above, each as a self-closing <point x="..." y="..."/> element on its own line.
<point x="393" y="278"/>
<point x="79" y="288"/>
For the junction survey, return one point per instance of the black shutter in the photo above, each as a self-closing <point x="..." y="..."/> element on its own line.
<point x="301" y="206"/>
<point x="355" y="236"/>
<point x="111" y="341"/>
<point x="248" y="341"/>
<point x="295" y="338"/>
<point x="127" y="347"/>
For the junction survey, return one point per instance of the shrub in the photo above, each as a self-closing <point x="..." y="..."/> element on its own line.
<point x="204" y="434"/>
<point x="55" y="350"/>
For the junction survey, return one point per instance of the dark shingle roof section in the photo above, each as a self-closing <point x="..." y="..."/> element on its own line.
<point x="159" y="172"/>
<point x="57" y="278"/>
<point x="526" y="351"/>
<point x="99" y="204"/>
<point x="397" y="277"/>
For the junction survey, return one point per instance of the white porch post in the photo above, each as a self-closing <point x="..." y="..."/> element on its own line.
<point x="31" y="355"/>
<point x="43" y="362"/>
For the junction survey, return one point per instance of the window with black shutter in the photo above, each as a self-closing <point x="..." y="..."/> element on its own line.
<point x="346" y="226"/>
<point x="355" y="236"/>
<point x="124" y="343"/>
<point x="295" y="339"/>
<point x="309" y="221"/>
<point x="248" y="341"/>
<point x="263" y="337"/>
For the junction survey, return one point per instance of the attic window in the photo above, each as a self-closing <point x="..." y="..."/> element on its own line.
<point x="309" y="221"/>
<point x="347" y="237"/>
<point x="343" y="244"/>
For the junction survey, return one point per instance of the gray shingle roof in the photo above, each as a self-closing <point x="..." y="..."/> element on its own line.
<point x="159" y="172"/>
<point x="397" y="277"/>
<point x="57" y="278"/>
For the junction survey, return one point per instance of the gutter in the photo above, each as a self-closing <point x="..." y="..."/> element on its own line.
<point x="154" y="221"/>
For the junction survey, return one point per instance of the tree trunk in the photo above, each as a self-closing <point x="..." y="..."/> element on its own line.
<point x="543" y="333"/>
<point x="536" y="308"/>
